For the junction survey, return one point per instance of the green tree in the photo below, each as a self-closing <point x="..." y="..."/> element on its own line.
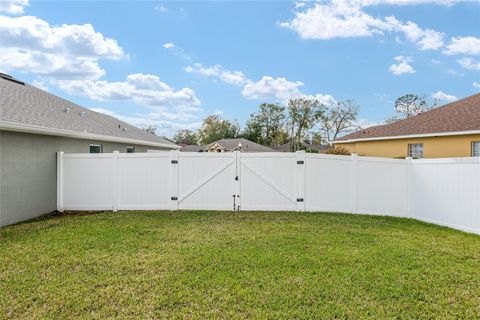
<point x="339" y="119"/>
<point x="267" y="125"/>
<point x="253" y="130"/>
<point x="303" y="113"/>
<point x="215" y="128"/>
<point x="185" y="136"/>
<point x="409" y="105"/>
<point x="151" y="129"/>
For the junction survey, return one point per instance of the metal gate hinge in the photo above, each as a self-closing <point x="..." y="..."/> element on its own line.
<point x="236" y="178"/>
<point x="299" y="199"/>
<point x="174" y="161"/>
<point x="300" y="162"/>
<point x="174" y="198"/>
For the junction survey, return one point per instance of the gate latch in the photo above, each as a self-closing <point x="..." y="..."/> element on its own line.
<point x="174" y="161"/>
<point x="236" y="178"/>
<point x="299" y="199"/>
<point x="299" y="161"/>
<point x="174" y="198"/>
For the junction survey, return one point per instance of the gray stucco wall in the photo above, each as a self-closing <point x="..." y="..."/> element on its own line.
<point x="28" y="182"/>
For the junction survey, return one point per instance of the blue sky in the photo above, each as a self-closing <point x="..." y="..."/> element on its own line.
<point x="170" y="64"/>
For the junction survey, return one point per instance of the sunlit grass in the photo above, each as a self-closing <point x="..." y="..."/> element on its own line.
<point x="237" y="265"/>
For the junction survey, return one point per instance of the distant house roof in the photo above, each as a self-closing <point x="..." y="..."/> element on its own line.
<point x="247" y="145"/>
<point x="317" y="147"/>
<point x="228" y="145"/>
<point x="28" y="109"/>
<point x="459" y="117"/>
<point x="192" y="148"/>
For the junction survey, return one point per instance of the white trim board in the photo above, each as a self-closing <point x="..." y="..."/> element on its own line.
<point x="20" y="127"/>
<point x="411" y="136"/>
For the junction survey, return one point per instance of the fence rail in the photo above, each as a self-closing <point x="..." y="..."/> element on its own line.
<point x="441" y="191"/>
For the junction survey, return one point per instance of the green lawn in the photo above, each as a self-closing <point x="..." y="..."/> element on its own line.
<point x="237" y="265"/>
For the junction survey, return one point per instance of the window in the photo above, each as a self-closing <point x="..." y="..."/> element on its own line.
<point x="476" y="149"/>
<point x="415" y="150"/>
<point x="96" y="148"/>
<point x="130" y="149"/>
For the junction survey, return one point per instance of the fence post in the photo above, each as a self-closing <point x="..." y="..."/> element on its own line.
<point x="300" y="179"/>
<point x="116" y="181"/>
<point x="354" y="183"/>
<point x="60" y="181"/>
<point x="174" y="155"/>
<point x="409" y="175"/>
<point x="237" y="199"/>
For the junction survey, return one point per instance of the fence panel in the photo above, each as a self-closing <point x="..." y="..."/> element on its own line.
<point x="382" y="186"/>
<point x="328" y="182"/>
<point x="144" y="181"/>
<point x="88" y="181"/>
<point x="268" y="181"/>
<point x="446" y="192"/>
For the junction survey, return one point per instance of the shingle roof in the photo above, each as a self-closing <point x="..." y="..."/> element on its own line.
<point x="193" y="148"/>
<point x="461" y="115"/>
<point x="247" y="145"/>
<point x="318" y="147"/>
<point x="28" y="105"/>
<point x="229" y="145"/>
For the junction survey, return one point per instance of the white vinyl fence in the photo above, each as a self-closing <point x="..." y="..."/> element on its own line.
<point x="441" y="191"/>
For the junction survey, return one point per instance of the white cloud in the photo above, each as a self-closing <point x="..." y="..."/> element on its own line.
<point x="164" y="124"/>
<point x="206" y="71"/>
<point x="145" y="89"/>
<point x="476" y="85"/>
<point x="40" y="84"/>
<point x="169" y="109"/>
<point x="442" y="96"/>
<point x="427" y="39"/>
<point x="236" y="78"/>
<point x="463" y="45"/>
<point x="324" y="99"/>
<point x="347" y="19"/>
<point x="335" y="20"/>
<point x="30" y="44"/>
<point x="269" y="88"/>
<point x="162" y="8"/>
<point x="50" y="65"/>
<point x="470" y="64"/>
<point x="403" y="65"/>
<point x="168" y="45"/>
<point x="13" y="6"/>
<point x="405" y="2"/>
<point x="299" y="4"/>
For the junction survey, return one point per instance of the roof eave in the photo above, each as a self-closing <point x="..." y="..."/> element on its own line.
<point x="410" y="136"/>
<point x="27" y="128"/>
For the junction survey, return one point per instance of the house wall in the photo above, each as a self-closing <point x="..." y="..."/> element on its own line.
<point x="28" y="171"/>
<point x="433" y="147"/>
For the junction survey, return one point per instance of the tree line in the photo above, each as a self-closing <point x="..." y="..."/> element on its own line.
<point x="301" y="119"/>
<point x="273" y="124"/>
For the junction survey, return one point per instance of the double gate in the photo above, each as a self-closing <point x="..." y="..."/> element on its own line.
<point x="238" y="181"/>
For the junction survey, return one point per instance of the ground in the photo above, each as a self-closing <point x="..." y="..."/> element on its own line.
<point x="237" y="265"/>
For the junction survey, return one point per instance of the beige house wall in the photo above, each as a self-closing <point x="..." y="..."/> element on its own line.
<point x="433" y="147"/>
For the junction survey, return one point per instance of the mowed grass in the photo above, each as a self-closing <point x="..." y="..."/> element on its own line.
<point x="145" y="265"/>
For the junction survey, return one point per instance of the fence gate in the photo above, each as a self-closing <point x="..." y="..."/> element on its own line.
<point x="271" y="181"/>
<point x="206" y="181"/>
